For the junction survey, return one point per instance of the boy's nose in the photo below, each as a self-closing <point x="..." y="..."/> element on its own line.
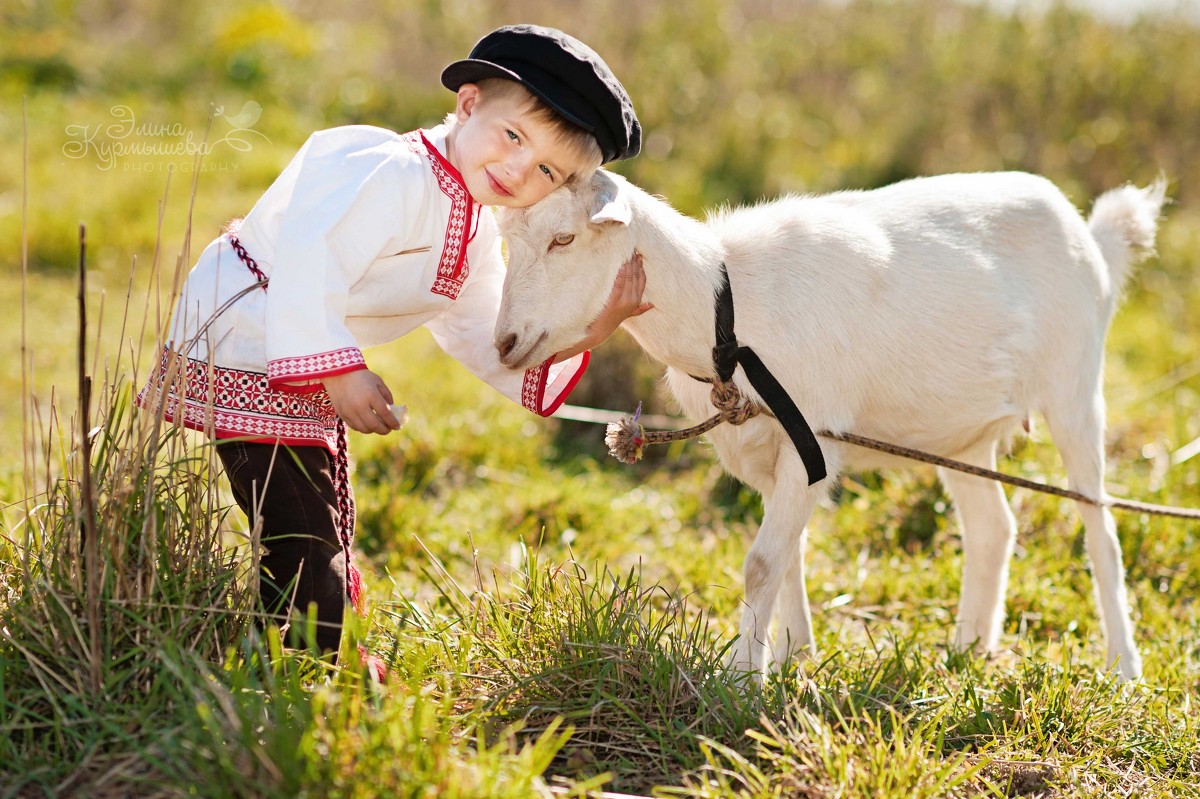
<point x="518" y="168"/>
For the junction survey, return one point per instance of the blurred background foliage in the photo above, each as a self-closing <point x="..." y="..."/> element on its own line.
<point x="740" y="99"/>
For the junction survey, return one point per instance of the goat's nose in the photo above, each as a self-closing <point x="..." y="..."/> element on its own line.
<point x="506" y="344"/>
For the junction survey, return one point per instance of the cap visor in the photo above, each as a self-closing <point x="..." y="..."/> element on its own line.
<point x="472" y="70"/>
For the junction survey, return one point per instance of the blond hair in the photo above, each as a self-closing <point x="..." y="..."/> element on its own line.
<point x="576" y="139"/>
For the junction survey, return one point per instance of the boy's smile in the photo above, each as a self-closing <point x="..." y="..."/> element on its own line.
<point x="507" y="156"/>
<point x="497" y="186"/>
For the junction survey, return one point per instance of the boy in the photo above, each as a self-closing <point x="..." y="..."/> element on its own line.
<point x="366" y="235"/>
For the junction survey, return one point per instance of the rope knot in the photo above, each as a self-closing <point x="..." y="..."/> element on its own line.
<point x="626" y="439"/>
<point x="733" y="407"/>
<point x="742" y="413"/>
<point x="725" y="395"/>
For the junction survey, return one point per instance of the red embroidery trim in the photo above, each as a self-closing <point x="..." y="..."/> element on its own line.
<point x="232" y="403"/>
<point x="323" y="364"/>
<point x="533" y="387"/>
<point x="453" y="268"/>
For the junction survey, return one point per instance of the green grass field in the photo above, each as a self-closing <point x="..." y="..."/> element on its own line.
<point x="554" y="622"/>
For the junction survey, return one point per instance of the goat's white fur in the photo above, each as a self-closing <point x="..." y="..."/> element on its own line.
<point x="937" y="313"/>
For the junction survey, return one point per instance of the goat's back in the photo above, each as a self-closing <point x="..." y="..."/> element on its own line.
<point x="924" y="311"/>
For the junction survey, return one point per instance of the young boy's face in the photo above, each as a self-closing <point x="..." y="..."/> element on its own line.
<point x="505" y="155"/>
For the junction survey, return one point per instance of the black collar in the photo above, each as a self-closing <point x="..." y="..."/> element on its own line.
<point x="727" y="354"/>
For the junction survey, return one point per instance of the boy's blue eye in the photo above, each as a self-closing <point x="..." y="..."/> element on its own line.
<point x="511" y="135"/>
<point x="546" y="171"/>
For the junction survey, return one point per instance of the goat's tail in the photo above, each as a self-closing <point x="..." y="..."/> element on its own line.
<point x="1123" y="222"/>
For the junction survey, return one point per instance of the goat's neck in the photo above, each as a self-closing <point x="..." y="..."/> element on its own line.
<point x="682" y="259"/>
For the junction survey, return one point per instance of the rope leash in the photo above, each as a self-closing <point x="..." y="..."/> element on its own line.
<point x="626" y="440"/>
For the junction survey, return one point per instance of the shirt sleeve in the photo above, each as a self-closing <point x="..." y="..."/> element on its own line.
<point x="466" y="331"/>
<point x="348" y="200"/>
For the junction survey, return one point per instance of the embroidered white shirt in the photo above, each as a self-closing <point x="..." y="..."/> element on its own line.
<point x="366" y="235"/>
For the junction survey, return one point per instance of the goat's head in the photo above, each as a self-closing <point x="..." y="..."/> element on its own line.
<point x="563" y="256"/>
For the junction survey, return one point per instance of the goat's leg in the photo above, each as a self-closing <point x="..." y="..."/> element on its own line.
<point x="794" y="637"/>
<point x="785" y="514"/>
<point x="1079" y="435"/>
<point x="988" y="532"/>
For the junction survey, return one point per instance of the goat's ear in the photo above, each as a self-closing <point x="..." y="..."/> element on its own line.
<point x="611" y="204"/>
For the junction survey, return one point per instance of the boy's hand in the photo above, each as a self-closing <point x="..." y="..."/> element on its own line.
<point x="624" y="302"/>
<point x="363" y="401"/>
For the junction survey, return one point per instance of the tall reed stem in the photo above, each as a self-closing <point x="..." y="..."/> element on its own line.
<point x="87" y="527"/>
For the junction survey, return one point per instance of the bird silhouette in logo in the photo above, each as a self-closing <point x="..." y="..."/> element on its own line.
<point x="243" y="119"/>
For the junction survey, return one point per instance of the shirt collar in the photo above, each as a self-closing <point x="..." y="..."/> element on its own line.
<point x="436" y="141"/>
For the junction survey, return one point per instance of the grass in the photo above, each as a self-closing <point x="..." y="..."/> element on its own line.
<point x="555" y="623"/>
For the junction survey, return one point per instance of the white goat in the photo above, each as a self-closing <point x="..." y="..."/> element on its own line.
<point x="937" y="313"/>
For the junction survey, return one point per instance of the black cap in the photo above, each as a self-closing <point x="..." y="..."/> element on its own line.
<point x="562" y="72"/>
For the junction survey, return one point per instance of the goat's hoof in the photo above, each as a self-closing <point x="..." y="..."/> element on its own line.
<point x="792" y="661"/>
<point x="741" y="669"/>
<point x="1128" y="666"/>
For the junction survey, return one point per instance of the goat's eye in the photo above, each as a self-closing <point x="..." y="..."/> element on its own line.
<point x="563" y="239"/>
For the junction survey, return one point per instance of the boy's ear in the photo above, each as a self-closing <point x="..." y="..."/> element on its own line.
<point x="468" y="98"/>
<point x="610" y="203"/>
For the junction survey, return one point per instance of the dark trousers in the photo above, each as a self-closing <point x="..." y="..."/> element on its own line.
<point x="302" y="561"/>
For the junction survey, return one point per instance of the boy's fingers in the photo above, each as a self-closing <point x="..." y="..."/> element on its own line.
<point x="388" y="419"/>
<point x="635" y="288"/>
<point x="384" y="392"/>
<point x="632" y="267"/>
<point x="383" y="416"/>
<point x="363" y="418"/>
<point x="639" y="273"/>
<point x="367" y="423"/>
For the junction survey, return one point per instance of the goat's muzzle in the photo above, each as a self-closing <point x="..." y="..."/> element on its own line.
<point x="515" y="356"/>
<point x="505" y="345"/>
